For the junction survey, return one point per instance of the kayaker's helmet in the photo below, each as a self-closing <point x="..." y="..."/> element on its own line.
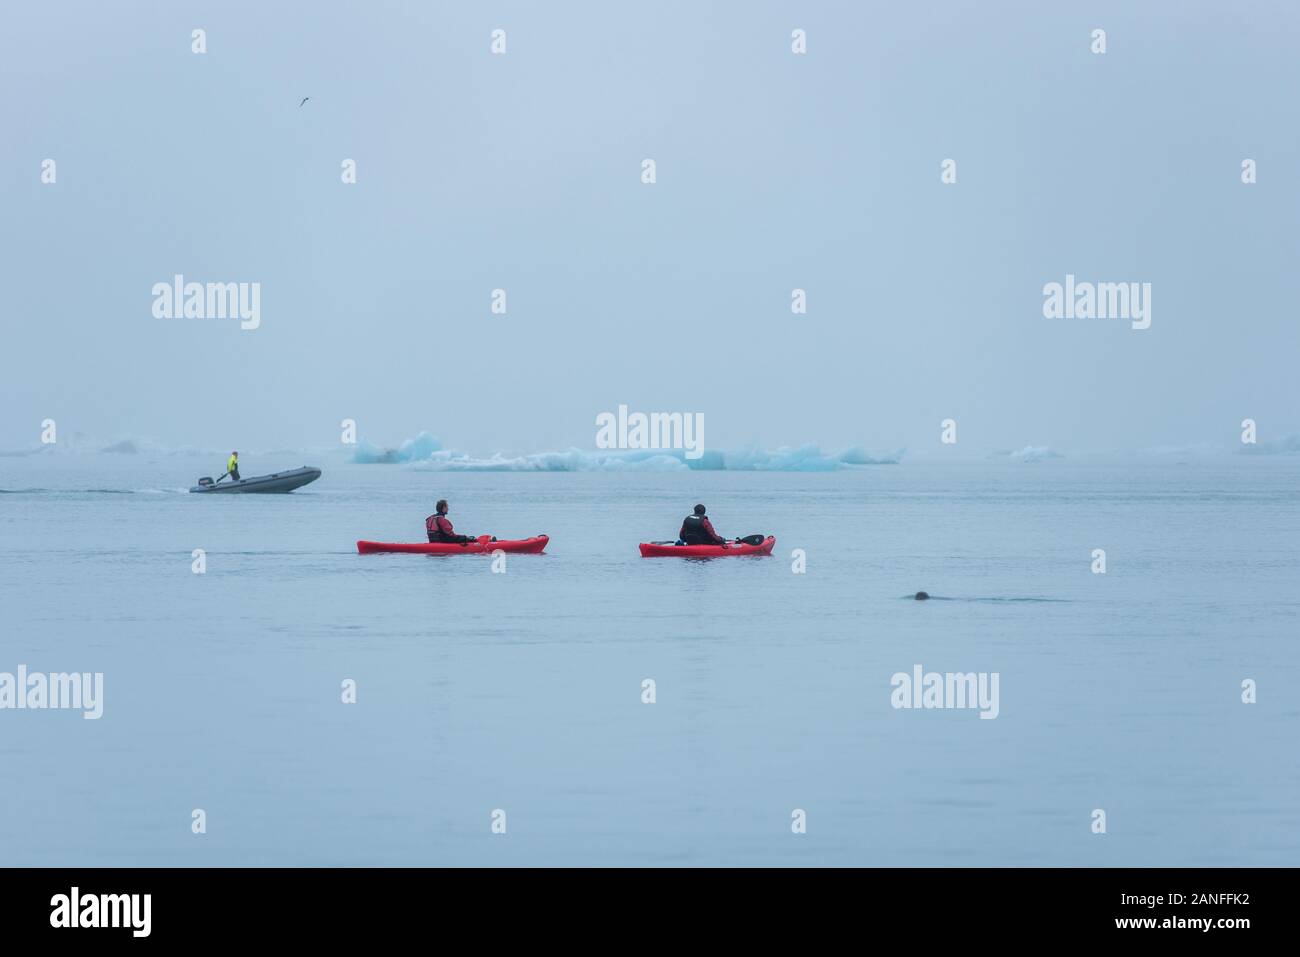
<point x="699" y="509"/>
<point x="441" y="507"/>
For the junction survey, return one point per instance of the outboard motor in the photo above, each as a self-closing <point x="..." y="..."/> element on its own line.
<point x="205" y="481"/>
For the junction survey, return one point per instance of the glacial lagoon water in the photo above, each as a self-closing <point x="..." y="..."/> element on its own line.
<point x="522" y="691"/>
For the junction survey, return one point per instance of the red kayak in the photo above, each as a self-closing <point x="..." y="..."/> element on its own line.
<point x="527" y="546"/>
<point x="656" y="550"/>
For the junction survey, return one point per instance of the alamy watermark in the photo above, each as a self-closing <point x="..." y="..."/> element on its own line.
<point x="75" y="909"/>
<point x="179" y="299"/>
<point x="76" y="691"/>
<point x="658" y="430"/>
<point x="1102" y="300"/>
<point x="932" y="689"/>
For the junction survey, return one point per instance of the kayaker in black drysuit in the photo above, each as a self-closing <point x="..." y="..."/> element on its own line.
<point x="698" y="530"/>
<point x="439" y="527"/>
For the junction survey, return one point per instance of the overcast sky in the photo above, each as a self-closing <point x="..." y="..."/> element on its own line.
<point x="775" y="171"/>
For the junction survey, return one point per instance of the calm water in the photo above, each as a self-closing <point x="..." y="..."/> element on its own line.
<point x="522" y="691"/>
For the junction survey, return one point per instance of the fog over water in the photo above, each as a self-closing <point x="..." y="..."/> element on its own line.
<point x="775" y="172"/>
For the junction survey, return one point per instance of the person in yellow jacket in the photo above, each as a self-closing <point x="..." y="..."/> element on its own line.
<point x="232" y="467"/>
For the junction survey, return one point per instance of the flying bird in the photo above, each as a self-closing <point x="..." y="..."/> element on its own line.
<point x="304" y="100"/>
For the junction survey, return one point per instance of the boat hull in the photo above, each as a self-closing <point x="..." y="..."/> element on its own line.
<point x="522" y="546"/>
<point x="263" y="484"/>
<point x="657" y="550"/>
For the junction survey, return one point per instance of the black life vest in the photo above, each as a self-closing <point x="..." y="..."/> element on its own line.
<point x="693" y="532"/>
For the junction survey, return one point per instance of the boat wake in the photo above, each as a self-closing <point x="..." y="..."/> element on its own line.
<point x="988" y="600"/>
